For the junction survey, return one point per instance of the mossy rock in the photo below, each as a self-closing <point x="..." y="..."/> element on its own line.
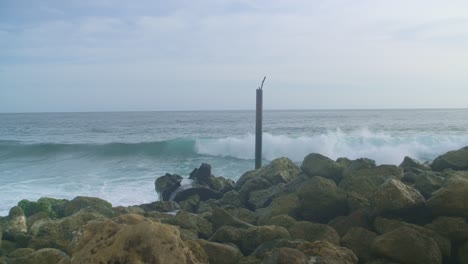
<point x="45" y="205"/>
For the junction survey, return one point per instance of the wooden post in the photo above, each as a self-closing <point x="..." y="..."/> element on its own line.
<point x="258" y="127"/>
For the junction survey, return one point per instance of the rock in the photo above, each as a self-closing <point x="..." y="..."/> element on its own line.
<point x="262" y="198"/>
<point x="231" y="198"/>
<point x="455" y="228"/>
<point x="221" y="217"/>
<point x="324" y="252"/>
<point x="21" y="252"/>
<point x="281" y="170"/>
<point x="249" y="260"/>
<point x="364" y="182"/>
<point x="59" y="233"/>
<point x="244" y="178"/>
<point x="203" y="193"/>
<point x="462" y="254"/>
<point x="287" y="204"/>
<point x="193" y="222"/>
<point x="314" y="232"/>
<point x="358" y="164"/>
<point x="249" y="239"/>
<point x="121" y="210"/>
<point x="407" y="246"/>
<point x="283" y="220"/>
<point x="452" y="199"/>
<point x="197" y="250"/>
<point x="136" y="241"/>
<point x="14" y="223"/>
<point x="318" y="165"/>
<point x="357" y="202"/>
<point x="44" y="205"/>
<point x="286" y="256"/>
<point x="322" y="200"/>
<point x="42" y="256"/>
<point x="82" y="202"/>
<point x="190" y="204"/>
<point x="242" y="214"/>
<point x="457" y="160"/>
<point x="251" y="185"/>
<point x="268" y="246"/>
<point x="381" y="261"/>
<point x="427" y="183"/>
<point x="221" y="184"/>
<point x="202" y="174"/>
<point x="342" y="224"/>
<point x="160" y="206"/>
<point x="412" y="165"/>
<point x="383" y="225"/>
<point x="166" y="185"/>
<point x="359" y="240"/>
<point x="395" y="197"/>
<point x="221" y="253"/>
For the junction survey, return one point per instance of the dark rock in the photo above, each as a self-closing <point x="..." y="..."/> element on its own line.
<point x="462" y="254"/>
<point x="455" y="228"/>
<point x="166" y="185"/>
<point x="201" y="175"/>
<point x="457" y="160"/>
<point x="322" y="200"/>
<point x="262" y="198"/>
<point x="253" y="184"/>
<point x="427" y="183"/>
<point x="203" y="193"/>
<point x="359" y="240"/>
<point x="358" y="164"/>
<point x="244" y="178"/>
<point x="190" y="204"/>
<point x="407" y="246"/>
<point x="394" y="197"/>
<point x="314" y="232"/>
<point x="318" y="165"/>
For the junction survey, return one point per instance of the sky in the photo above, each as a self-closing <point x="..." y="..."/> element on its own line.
<point x="119" y="55"/>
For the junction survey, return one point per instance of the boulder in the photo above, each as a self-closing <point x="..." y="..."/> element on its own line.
<point x="193" y="222"/>
<point x="262" y="198"/>
<point x="427" y="182"/>
<point x="249" y="239"/>
<point x="394" y="197"/>
<point x="160" y="206"/>
<point x="202" y="175"/>
<point x="190" y="204"/>
<point x="94" y="204"/>
<point x="14" y="223"/>
<point x="242" y="214"/>
<point x="318" y="165"/>
<point x="384" y="225"/>
<point x="359" y="240"/>
<point x="281" y="170"/>
<point x="203" y="193"/>
<point x="462" y="254"/>
<point x="314" y="232"/>
<point x="452" y="199"/>
<point x="323" y="252"/>
<point x="407" y="246"/>
<point x="455" y="228"/>
<point x="268" y="246"/>
<point x="285" y="256"/>
<point x="322" y="200"/>
<point x="221" y="253"/>
<point x="283" y="220"/>
<point x="412" y="165"/>
<point x="44" y="205"/>
<point x="41" y="256"/>
<point x="358" y="164"/>
<point x="221" y="217"/>
<point x="132" y="241"/>
<point x="364" y="182"/>
<point x="230" y="198"/>
<point x="244" y="178"/>
<point x="456" y="160"/>
<point x="251" y="185"/>
<point x="166" y="185"/>
<point x="344" y="223"/>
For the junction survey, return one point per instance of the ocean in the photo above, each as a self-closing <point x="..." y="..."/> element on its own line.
<point x="118" y="155"/>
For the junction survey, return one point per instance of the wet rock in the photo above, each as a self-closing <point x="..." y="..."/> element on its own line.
<point x="318" y="165"/>
<point x="166" y="185"/>
<point x="219" y="253"/>
<point x="359" y="240"/>
<point x="202" y="175"/>
<point x="452" y="199"/>
<point x="456" y="160"/>
<point x="130" y="241"/>
<point x="314" y="232"/>
<point x="322" y="200"/>
<point x="407" y="246"/>
<point x="203" y="193"/>
<point x="394" y="197"/>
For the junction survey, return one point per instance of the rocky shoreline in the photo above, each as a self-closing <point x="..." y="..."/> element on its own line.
<point x="325" y="211"/>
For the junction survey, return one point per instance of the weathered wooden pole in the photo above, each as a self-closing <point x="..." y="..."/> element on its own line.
<point x="258" y="127"/>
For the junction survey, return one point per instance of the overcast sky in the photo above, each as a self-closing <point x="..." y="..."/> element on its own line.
<point x="118" y="55"/>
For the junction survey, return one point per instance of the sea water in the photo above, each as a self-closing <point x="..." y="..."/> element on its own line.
<point x="117" y="156"/>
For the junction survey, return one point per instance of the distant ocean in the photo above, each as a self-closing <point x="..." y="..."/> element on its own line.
<point x="117" y="156"/>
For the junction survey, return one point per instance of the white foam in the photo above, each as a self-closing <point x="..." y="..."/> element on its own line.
<point x="385" y="148"/>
